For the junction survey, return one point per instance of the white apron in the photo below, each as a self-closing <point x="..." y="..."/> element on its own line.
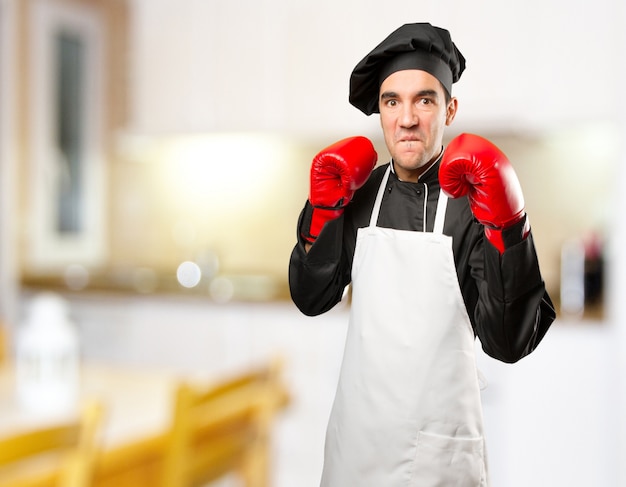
<point x="407" y="411"/>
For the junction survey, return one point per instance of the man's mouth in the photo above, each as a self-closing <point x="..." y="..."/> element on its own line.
<point x="408" y="139"/>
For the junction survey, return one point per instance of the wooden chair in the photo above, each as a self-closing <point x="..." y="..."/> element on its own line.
<point x="224" y="428"/>
<point x="59" y="455"/>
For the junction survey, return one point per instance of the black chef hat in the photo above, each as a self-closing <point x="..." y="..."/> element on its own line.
<point x="412" y="46"/>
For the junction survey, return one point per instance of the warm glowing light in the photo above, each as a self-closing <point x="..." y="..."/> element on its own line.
<point x="225" y="169"/>
<point x="188" y="274"/>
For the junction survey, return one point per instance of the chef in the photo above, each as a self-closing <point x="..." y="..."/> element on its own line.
<point x="438" y="249"/>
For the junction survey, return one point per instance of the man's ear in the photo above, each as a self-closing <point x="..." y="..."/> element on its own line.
<point x="451" y="110"/>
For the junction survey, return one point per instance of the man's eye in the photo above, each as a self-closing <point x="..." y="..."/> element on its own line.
<point x="391" y="103"/>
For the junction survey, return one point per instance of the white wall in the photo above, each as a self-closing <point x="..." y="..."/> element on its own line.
<point x="617" y="316"/>
<point x="617" y="268"/>
<point x="550" y="418"/>
<point x="617" y="281"/>
<point x="284" y="65"/>
<point x="8" y="169"/>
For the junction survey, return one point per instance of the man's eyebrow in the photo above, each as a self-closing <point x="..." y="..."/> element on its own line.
<point x="420" y="94"/>
<point x="428" y="93"/>
<point x="388" y="94"/>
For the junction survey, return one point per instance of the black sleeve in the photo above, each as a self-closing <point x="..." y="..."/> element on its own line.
<point x="317" y="279"/>
<point x="514" y="310"/>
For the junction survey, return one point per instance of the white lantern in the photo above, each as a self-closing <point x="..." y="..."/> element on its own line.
<point x="47" y="354"/>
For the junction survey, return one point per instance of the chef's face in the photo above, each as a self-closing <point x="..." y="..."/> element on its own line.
<point x="413" y="114"/>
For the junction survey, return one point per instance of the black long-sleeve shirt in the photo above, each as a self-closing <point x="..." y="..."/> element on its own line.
<point x="505" y="295"/>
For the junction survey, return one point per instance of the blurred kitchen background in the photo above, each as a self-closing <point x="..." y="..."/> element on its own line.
<point x="154" y="158"/>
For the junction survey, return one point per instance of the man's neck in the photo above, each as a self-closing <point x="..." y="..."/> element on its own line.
<point x="414" y="176"/>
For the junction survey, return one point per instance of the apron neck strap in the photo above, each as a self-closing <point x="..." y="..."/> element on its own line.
<point x="440" y="215"/>
<point x="379" y="197"/>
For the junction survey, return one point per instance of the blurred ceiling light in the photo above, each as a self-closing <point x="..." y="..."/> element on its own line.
<point x="188" y="274"/>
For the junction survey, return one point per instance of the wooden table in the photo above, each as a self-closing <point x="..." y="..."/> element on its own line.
<point x="136" y="401"/>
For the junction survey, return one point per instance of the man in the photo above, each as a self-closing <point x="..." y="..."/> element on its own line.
<point x="429" y="273"/>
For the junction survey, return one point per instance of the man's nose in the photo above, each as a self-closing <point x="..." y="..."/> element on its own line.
<point x="408" y="117"/>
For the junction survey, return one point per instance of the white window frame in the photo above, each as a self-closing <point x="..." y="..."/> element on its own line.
<point x="49" y="250"/>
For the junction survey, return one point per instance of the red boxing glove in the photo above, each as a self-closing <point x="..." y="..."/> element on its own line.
<point x="473" y="166"/>
<point x="336" y="173"/>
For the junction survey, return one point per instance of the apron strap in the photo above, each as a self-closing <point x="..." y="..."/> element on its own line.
<point x="379" y="198"/>
<point x="440" y="216"/>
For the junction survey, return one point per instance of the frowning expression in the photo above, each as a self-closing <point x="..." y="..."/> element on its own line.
<point x="413" y="114"/>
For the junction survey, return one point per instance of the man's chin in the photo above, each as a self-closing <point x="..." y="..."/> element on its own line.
<point x="409" y="164"/>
